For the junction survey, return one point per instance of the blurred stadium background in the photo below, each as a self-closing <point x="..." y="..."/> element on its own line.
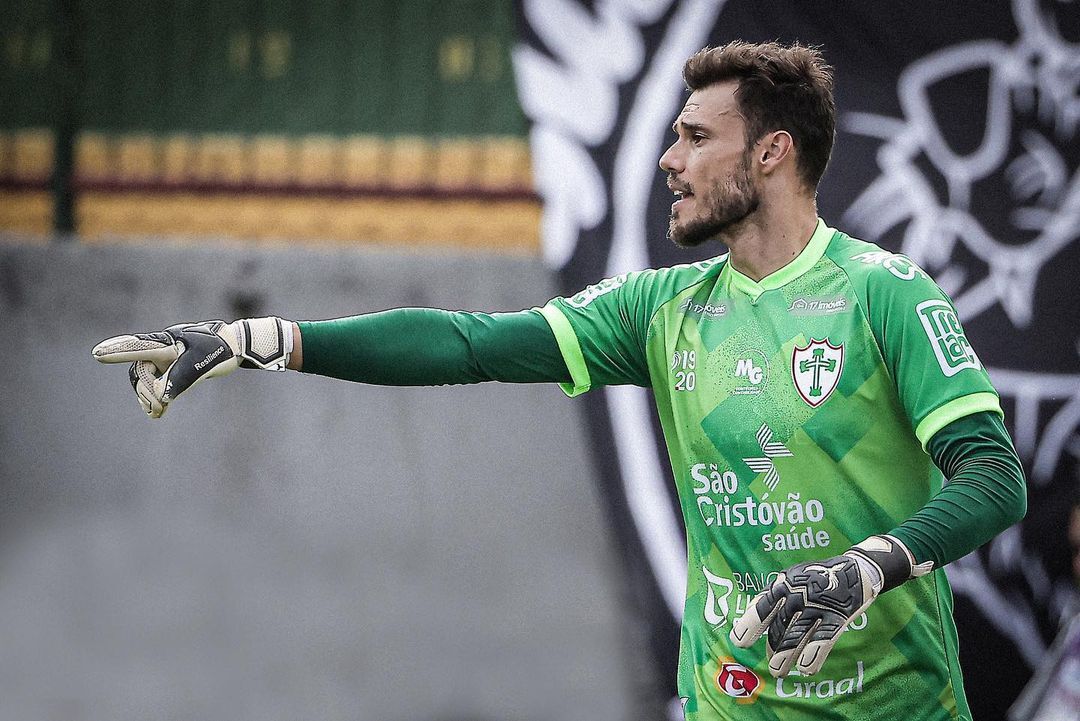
<point x="292" y="547"/>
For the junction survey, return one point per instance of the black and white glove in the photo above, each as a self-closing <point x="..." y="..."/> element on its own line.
<point x="166" y="363"/>
<point x="809" y="605"/>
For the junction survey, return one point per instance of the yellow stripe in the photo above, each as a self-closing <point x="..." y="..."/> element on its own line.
<point x="482" y="163"/>
<point x="511" y="227"/>
<point x="29" y="212"/>
<point x="487" y="163"/>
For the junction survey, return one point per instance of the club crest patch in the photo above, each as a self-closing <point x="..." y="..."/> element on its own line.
<point x="816" y="370"/>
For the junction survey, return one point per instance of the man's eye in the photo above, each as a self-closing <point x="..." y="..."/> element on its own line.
<point x="697" y="138"/>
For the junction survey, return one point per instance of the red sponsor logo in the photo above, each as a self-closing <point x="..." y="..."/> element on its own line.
<point x="738" y="681"/>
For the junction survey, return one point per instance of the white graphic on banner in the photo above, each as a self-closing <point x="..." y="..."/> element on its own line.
<point x="1036" y="74"/>
<point x="1034" y="77"/>
<point x="1047" y="199"/>
<point x="572" y="99"/>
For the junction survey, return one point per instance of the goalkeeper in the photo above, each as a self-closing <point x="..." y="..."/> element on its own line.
<point x="815" y="393"/>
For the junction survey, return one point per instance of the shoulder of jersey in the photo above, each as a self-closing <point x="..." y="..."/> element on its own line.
<point x="674" y="279"/>
<point x="700" y="268"/>
<point x="871" y="262"/>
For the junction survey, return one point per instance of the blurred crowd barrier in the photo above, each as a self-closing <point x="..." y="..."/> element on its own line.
<point x="378" y="121"/>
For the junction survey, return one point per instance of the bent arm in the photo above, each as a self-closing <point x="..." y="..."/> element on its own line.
<point x="426" y="346"/>
<point x="985" y="491"/>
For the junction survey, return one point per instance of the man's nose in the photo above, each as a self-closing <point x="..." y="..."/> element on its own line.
<point x="671" y="160"/>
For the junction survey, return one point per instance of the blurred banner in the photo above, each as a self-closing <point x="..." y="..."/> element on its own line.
<point x="383" y="120"/>
<point x="957" y="145"/>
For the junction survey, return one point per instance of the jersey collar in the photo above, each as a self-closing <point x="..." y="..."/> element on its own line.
<point x="803" y="262"/>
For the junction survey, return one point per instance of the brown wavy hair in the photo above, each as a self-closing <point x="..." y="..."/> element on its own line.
<point x="780" y="88"/>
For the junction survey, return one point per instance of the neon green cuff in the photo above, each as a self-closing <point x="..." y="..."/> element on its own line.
<point x="953" y="410"/>
<point x="570" y="349"/>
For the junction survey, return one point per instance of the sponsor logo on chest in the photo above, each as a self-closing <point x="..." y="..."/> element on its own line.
<point x="770" y="449"/>
<point x="728" y="598"/>
<point x="738" y="681"/>
<point x="819" y="305"/>
<point x="703" y="310"/>
<point x="813" y="687"/>
<point x="751" y="373"/>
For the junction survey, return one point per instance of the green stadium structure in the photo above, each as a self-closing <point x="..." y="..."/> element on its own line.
<point x="367" y="109"/>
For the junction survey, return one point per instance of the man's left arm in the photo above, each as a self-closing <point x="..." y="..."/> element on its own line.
<point x="984" y="495"/>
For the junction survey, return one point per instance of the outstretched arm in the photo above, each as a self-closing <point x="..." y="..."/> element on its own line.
<point x="427" y="346"/>
<point x="405" y="346"/>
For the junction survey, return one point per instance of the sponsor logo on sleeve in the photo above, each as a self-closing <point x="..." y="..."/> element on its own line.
<point x="816" y="369"/>
<point x="951" y="346"/>
<point x="901" y="266"/>
<point x="592" y="292"/>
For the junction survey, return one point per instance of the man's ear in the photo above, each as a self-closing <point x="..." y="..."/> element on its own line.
<point x="771" y="150"/>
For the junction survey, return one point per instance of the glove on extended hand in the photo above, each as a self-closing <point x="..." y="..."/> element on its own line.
<point x="809" y="605"/>
<point x="166" y="363"/>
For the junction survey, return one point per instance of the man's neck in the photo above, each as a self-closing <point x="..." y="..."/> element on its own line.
<point x="765" y="243"/>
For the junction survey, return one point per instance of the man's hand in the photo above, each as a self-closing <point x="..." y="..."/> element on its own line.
<point x="809" y="605"/>
<point x="166" y="363"/>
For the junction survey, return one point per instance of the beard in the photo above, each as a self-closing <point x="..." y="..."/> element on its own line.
<point x="728" y="203"/>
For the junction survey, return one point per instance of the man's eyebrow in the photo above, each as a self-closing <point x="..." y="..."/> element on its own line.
<point x="688" y="126"/>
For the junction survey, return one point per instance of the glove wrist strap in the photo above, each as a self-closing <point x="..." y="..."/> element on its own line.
<point x="264" y="343"/>
<point x="892" y="560"/>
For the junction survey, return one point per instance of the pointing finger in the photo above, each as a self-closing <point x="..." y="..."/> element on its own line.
<point x="157" y="348"/>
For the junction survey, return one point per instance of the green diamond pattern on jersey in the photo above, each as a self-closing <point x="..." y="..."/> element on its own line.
<point x="796" y="411"/>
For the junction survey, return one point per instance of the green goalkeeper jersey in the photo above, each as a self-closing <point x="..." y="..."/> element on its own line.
<point x="796" y="410"/>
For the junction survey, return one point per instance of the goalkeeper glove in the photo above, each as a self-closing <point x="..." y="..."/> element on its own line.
<point x="166" y="363"/>
<point x="809" y="605"/>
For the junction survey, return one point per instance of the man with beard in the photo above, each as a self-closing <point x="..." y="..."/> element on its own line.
<point x="815" y="391"/>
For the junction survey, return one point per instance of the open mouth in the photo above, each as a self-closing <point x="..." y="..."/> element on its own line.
<point x="681" y="197"/>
